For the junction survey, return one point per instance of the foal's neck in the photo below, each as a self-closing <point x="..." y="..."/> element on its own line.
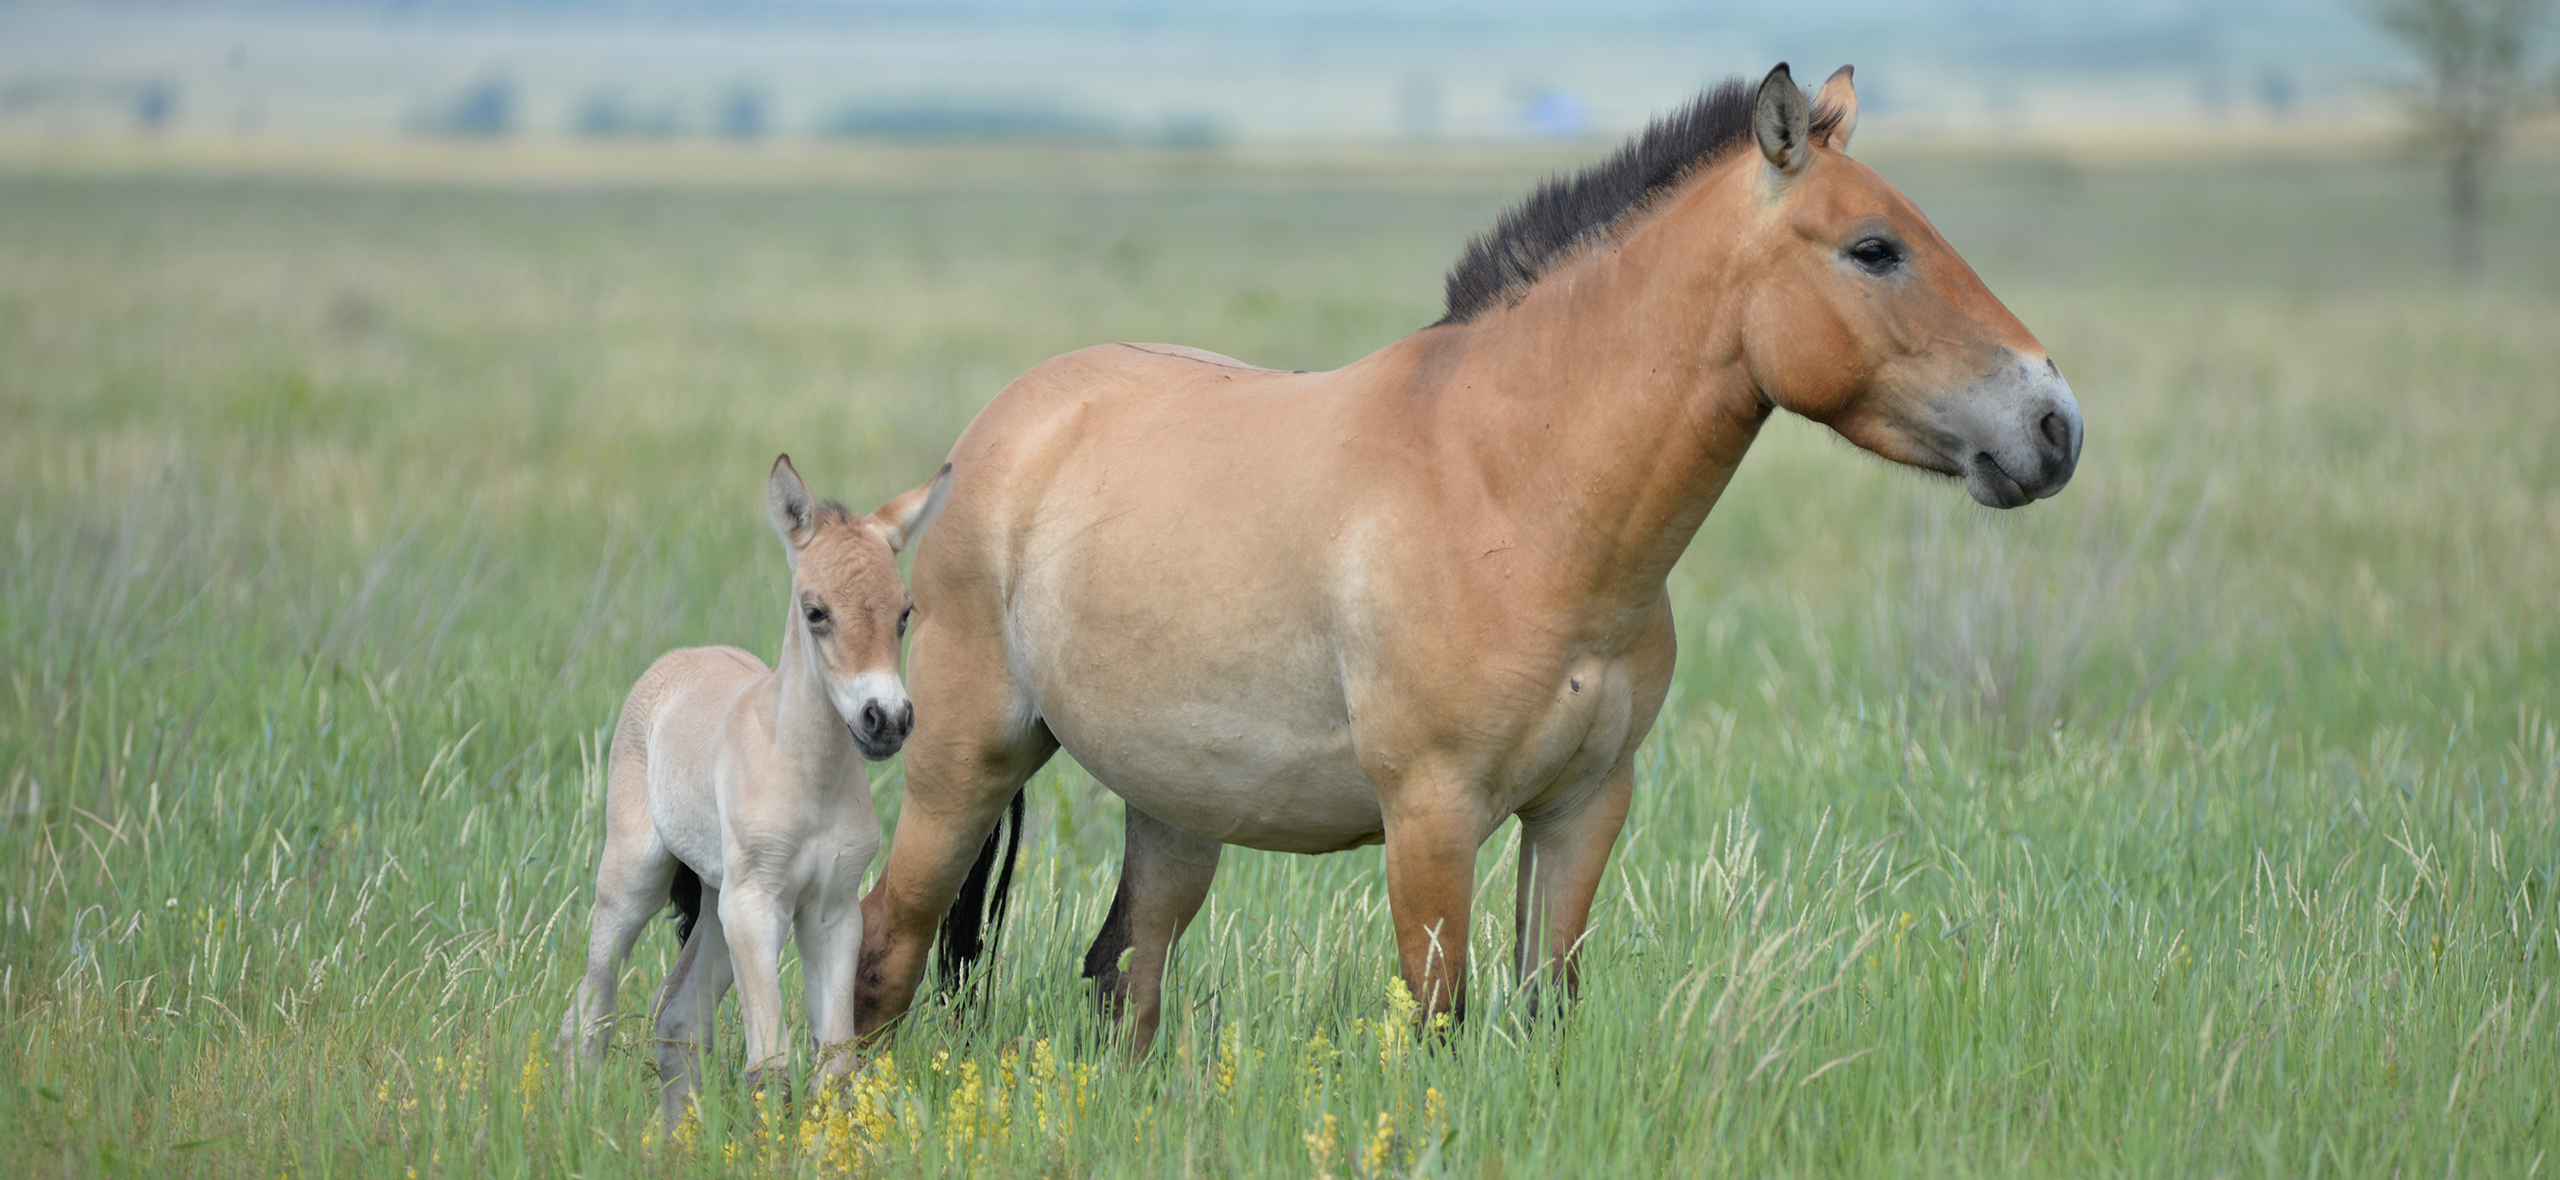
<point x="807" y="729"/>
<point x="1611" y="404"/>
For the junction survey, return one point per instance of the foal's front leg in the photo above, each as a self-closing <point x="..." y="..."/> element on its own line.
<point x="830" y="936"/>
<point x="755" y="918"/>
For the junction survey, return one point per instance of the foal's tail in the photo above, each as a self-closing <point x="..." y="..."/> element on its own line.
<point x="977" y="916"/>
<point x="686" y="893"/>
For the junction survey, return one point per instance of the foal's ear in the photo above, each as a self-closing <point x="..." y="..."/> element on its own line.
<point x="1835" y="111"/>
<point x="787" y="501"/>
<point x="1780" y="123"/>
<point x="906" y="517"/>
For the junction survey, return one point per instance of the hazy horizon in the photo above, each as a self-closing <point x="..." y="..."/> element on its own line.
<point x="1232" y="71"/>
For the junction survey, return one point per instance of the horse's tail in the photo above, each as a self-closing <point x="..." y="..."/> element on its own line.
<point x="686" y="893"/>
<point x="977" y="915"/>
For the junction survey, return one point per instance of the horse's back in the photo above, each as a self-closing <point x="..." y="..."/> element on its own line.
<point x="1102" y="424"/>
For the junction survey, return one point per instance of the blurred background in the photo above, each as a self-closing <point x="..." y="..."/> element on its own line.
<point x="1211" y="71"/>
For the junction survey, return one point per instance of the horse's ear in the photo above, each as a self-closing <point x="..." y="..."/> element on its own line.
<point x="787" y="501"/>
<point x="1835" y="111"/>
<point x="904" y="519"/>
<point x="1780" y="123"/>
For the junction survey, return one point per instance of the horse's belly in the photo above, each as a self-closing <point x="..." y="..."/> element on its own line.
<point x="1304" y="809"/>
<point x="1204" y="689"/>
<point x="1287" y="784"/>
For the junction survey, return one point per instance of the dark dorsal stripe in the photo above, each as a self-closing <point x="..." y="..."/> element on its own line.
<point x="1568" y="211"/>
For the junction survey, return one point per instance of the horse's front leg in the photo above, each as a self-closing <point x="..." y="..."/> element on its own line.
<point x="1163" y="879"/>
<point x="1433" y="832"/>
<point x="976" y="742"/>
<point x="1561" y="857"/>
<point x="756" y="919"/>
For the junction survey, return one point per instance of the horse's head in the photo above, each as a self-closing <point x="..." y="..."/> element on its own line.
<point x="849" y="609"/>
<point x="1862" y="318"/>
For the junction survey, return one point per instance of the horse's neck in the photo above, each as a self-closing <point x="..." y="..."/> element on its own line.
<point x="807" y="730"/>
<point x="1607" y="408"/>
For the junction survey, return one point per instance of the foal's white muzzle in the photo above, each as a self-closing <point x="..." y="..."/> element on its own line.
<point x="875" y="707"/>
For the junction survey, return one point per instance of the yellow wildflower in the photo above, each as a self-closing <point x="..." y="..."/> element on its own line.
<point x="1322" y="1144"/>
<point x="529" y="1079"/>
<point x="1227" y="1047"/>
<point x="688" y="1132"/>
<point x="1382" y="1146"/>
<point x="1317" y="1059"/>
<point x="1395" y="1033"/>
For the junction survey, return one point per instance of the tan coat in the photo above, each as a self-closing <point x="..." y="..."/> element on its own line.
<point x="1408" y="599"/>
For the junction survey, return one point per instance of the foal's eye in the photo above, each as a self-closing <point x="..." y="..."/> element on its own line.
<point x="905" y="615"/>
<point x="817" y="615"/>
<point x="1875" y="254"/>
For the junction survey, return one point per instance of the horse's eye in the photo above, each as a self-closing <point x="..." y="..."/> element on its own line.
<point x="905" y="615"/>
<point x="817" y="615"/>
<point x="1875" y="254"/>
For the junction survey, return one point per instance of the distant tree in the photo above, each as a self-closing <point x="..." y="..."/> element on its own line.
<point x="154" y="105"/>
<point x="486" y="109"/>
<point x="2479" y="57"/>
<point x="741" y="114"/>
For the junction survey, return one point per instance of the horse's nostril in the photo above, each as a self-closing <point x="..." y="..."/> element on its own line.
<point x="906" y="720"/>
<point x="873" y="720"/>
<point x="2057" y="430"/>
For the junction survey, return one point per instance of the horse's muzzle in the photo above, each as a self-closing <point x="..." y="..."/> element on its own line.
<point x="2026" y="442"/>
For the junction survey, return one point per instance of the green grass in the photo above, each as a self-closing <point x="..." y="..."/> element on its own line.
<point x="2204" y="820"/>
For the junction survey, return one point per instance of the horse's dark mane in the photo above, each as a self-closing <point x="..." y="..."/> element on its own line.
<point x="1566" y="212"/>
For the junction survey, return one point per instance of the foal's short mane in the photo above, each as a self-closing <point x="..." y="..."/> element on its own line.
<point x="1567" y="212"/>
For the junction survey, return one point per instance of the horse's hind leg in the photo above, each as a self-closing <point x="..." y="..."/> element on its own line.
<point x="631" y="887"/>
<point x="686" y="1008"/>
<point x="1163" y="879"/>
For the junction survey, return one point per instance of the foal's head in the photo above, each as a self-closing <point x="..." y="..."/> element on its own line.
<point x="1864" y="319"/>
<point x="848" y="608"/>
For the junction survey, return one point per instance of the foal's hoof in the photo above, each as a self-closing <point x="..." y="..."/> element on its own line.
<point x="675" y="1105"/>
<point x="771" y="1090"/>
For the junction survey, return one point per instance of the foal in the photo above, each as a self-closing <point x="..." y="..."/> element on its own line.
<point x="735" y="791"/>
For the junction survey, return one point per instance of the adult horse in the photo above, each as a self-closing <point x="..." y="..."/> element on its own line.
<point x="1408" y="598"/>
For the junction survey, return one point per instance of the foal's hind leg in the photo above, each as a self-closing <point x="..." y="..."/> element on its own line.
<point x="687" y="1006"/>
<point x="631" y="887"/>
<point x="1163" y="879"/>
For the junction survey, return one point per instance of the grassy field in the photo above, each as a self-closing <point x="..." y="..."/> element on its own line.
<point x="2202" y="821"/>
